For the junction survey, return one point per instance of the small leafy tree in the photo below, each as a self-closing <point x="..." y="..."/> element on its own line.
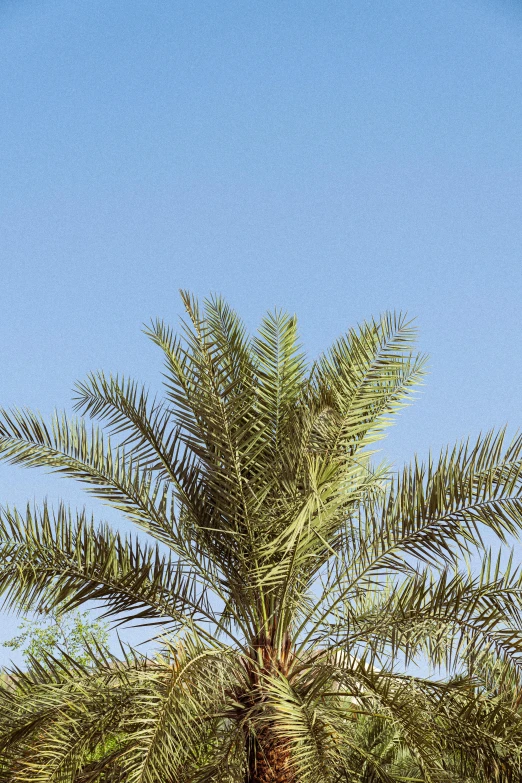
<point x="60" y="635"/>
<point x="295" y="578"/>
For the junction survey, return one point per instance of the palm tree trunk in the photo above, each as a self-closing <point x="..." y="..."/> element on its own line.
<point x="269" y="762"/>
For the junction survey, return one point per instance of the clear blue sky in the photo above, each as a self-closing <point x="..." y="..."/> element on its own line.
<point x="333" y="158"/>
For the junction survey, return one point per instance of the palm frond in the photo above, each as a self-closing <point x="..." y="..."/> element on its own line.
<point x="367" y="376"/>
<point x="67" y="447"/>
<point x="124" y="408"/>
<point x="50" y="560"/>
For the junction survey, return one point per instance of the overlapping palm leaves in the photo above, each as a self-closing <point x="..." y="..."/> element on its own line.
<point x="292" y="575"/>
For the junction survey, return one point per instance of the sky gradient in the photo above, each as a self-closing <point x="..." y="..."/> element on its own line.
<point x="335" y="159"/>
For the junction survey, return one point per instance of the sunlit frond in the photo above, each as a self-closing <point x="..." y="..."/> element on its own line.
<point x="50" y="560"/>
<point x="68" y="447"/>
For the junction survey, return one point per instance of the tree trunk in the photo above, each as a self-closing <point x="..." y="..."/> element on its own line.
<point x="269" y="762"/>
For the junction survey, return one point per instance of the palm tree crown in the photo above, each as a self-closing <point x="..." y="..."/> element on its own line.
<point x="295" y="579"/>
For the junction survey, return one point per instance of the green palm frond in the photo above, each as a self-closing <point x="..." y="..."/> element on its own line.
<point x="68" y="447"/>
<point x="368" y="375"/>
<point x="471" y="486"/>
<point x="52" y="560"/>
<point x="175" y="719"/>
<point x="58" y="709"/>
<point x="125" y="409"/>
<point x="281" y="377"/>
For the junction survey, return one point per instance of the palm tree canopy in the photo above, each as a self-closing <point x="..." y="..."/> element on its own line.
<point x="294" y="578"/>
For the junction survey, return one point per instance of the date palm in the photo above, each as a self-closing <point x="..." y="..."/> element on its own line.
<point x="294" y="579"/>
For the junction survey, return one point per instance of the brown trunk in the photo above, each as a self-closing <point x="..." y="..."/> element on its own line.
<point x="268" y="758"/>
<point x="269" y="762"/>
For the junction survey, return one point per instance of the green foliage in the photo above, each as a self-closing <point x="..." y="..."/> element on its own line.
<point x="60" y="635"/>
<point x="293" y="580"/>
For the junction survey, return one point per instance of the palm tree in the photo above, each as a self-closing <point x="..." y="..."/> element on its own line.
<point x="294" y="579"/>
